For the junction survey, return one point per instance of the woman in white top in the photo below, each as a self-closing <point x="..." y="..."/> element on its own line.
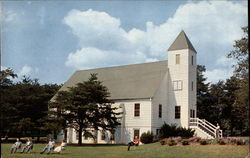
<point x="61" y="147"/>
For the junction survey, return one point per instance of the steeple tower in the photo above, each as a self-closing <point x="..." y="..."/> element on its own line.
<point x="182" y="80"/>
<point x="181" y="42"/>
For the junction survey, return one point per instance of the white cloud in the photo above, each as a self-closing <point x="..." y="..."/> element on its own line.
<point x="3" y="68"/>
<point x="90" y="57"/>
<point x="225" y="62"/>
<point x="9" y="16"/>
<point x="212" y="26"/>
<point x="27" y="70"/>
<point x="223" y="71"/>
<point x="216" y="75"/>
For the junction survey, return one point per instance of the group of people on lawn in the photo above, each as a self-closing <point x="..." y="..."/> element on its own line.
<point x="51" y="146"/>
<point x="29" y="145"/>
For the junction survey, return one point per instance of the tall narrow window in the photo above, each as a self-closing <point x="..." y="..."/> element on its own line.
<point x="192" y="85"/>
<point x="192" y="113"/>
<point x="65" y="134"/>
<point x="157" y="132"/>
<point x="77" y="135"/>
<point x="103" y="135"/>
<point x="177" y="59"/>
<point x="137" y="110"/>
<point x="112" y="135"/>
<point x="177" y="112"/>
<point x="192" y="60"/>
<point x="160" y="110"/>
<point x="137" y="133"/>
<point x="86" y="136"/>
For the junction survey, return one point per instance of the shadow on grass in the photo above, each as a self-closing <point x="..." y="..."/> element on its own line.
<point x="96" y="145"/>
<point x="52" y="153"/>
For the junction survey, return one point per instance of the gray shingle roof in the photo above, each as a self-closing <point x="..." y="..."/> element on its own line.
<point x="181" y="42"/>
<point x="135" y="81"/>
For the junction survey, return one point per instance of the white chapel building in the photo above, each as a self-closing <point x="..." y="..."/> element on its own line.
<point x="150" y="94"/>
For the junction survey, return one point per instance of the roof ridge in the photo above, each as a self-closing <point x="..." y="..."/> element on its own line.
<point x="128" y="65"/>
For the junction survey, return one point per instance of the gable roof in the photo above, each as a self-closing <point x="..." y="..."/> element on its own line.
<point x="181" y="42"/>
<point x="135" y="81"/>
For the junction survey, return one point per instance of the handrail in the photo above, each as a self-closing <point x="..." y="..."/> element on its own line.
<point x="206" y="126"/>
<point x="209" y="123"/>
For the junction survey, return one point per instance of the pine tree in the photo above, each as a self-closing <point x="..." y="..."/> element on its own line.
<point x="86" y="106"/>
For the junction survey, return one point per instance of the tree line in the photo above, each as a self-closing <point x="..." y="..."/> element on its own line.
<point x="227" y="102"/>
<point x="28" y="109"/>
<point x="24" y="106"/>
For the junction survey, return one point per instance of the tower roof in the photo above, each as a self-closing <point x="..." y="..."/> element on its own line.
<point x="181" y="42"/>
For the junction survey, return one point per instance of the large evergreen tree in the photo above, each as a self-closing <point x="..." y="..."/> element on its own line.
<point x="86" y="106"/>
<point x="241" y="72"/>
<point x="5" y="115"/>
<point x="203" y="96"/>
<point x="24" y="107"/>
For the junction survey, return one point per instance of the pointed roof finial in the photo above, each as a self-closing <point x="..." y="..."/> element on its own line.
<point x="181" y="42"/>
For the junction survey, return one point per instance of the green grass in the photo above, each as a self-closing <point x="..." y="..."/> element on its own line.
<point x="144" y="151"/>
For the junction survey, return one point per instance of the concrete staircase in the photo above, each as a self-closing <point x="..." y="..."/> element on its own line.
<point x="204" y="129"/>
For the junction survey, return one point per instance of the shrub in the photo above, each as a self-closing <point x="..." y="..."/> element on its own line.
<point x="177" y="139"/>
<point x="203" y="142"/>
<point x="171" y="142"/>
<point x="232" y="140"/>
<point x="185" y="142"/>
<point x="164" y="141"/>
<point x="147" y="138"/>
<point x="221" y="142"/>
<point x="194" y="139"/>
<point x="239" y="142"/>
<point x="172" y="130"/>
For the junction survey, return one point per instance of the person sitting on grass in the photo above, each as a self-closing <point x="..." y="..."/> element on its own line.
<point x="28" y="146"/>
<point x="135" y="142"/>
<point x="61" y="147"/>
<point x="49" y="146"/>
<point x="15" y="146"/>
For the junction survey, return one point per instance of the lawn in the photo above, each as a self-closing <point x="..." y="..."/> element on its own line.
<point x="144" y="151"/>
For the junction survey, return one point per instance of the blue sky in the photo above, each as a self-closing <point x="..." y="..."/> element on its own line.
<point x="49" y="40"/>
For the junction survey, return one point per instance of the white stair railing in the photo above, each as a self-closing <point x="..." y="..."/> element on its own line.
<point x="205" y="126"/>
